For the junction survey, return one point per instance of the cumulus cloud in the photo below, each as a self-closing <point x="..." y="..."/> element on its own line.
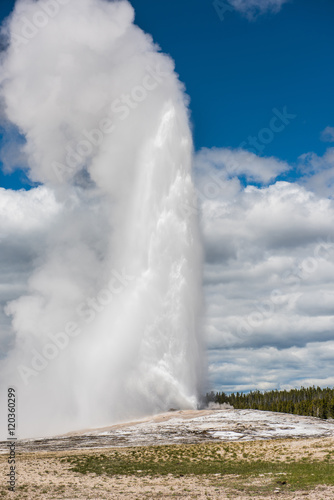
<point x="233" y="163"/>
<point x="268" y="273"/>
<point x="25" y="217"/>
<point x="253" y="8"/>
<point x="269" y="368"/>
<point x="317" y="172"/>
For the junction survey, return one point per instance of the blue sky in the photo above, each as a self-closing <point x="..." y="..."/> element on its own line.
<point x="236" y="71"/>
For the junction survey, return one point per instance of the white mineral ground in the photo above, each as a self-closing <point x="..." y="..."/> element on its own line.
<point x="187" y="426"/>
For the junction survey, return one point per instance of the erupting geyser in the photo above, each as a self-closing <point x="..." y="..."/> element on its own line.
<point x="108" y="327"/>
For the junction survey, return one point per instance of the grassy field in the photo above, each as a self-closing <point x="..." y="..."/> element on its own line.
<point x="254" y="469"/>
<point x="240" y="462"/>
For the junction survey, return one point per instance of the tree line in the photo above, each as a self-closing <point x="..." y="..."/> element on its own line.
<point x="308" y="401"/>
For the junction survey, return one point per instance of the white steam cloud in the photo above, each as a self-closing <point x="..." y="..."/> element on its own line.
<point x="108" y="328"/>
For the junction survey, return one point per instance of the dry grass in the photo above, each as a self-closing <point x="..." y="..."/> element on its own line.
<point x="253" y="469"/>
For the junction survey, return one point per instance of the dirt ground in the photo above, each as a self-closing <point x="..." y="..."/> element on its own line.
<point x="42" y="475"/>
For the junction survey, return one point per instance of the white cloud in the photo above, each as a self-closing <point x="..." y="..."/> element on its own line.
<point x="318" y="172"/>
<point x="25" y="211"/>
<point x="267" y="368"/>
<point x="253" y="8"/>
<point x="268" y="275"/>
<point x="231" y="163"/>
<point x="25" y="218"/>
<point x="327" y="135"/>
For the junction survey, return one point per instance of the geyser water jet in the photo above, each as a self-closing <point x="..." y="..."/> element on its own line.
<point x="108" y="328"/>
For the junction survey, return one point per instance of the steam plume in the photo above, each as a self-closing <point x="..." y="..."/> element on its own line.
<point x="108" y="328"/>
